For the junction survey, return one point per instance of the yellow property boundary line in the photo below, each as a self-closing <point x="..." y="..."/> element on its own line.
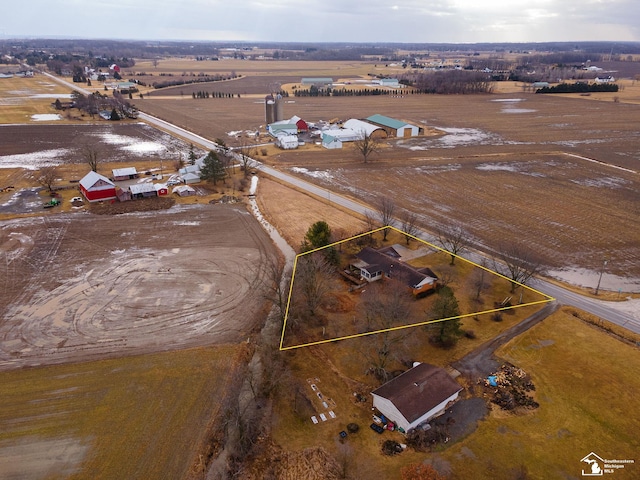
<point x="547" y="298"/>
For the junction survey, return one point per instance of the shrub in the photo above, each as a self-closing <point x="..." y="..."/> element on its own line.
<point x="353" y="427"/>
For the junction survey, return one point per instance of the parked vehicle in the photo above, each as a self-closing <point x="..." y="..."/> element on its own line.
<point x="376" y="428"/>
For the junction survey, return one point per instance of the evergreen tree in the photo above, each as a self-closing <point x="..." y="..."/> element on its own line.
<point x="212" y="168"/>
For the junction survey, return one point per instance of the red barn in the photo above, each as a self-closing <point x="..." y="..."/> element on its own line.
<point x="96" y="187"/>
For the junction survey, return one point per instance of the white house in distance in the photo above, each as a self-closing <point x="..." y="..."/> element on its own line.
<point x="414" y="397"/>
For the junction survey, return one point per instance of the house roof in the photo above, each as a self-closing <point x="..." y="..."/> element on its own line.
<point x="91" y="178"/>
<point x="392" y="266"/>
<point x="419" y="390"/>
<point x="386" y="121"/>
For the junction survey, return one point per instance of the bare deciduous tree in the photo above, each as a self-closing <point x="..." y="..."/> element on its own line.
<point x="454" y="239"/>
<point x="385" y="305"/>
<point x="47" y="177"/>
<point x="91" y="155"/>
<point x="386" y="209"/>
<point x="246" y="151"/>
<point x="366" y="145"/>
<point x="312" y="279"/>
<point x="518" y="263"/>
<point x="409" y="225"/>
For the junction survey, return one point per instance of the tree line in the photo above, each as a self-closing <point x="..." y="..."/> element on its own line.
<point x="579" y="87"/>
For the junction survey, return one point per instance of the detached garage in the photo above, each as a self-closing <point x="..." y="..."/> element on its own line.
<point x="416" y="396"/>
<point x="97" y="188"/>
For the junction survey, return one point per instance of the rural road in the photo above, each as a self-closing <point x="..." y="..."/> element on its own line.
<point x="606" y="310"/>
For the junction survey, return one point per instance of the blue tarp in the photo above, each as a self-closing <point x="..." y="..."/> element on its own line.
<point x="492" y="380"/>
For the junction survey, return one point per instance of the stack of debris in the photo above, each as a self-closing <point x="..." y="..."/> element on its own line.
<point x="510" y="387"/>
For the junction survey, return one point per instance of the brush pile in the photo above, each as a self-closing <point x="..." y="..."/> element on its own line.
<point x="509" y="388"/>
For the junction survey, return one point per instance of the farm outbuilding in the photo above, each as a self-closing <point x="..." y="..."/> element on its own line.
<point x="365" y="128"/>
<point x="128" y="173"/>
<point x="184" y="190"/>
<point x="416" y="396"/>
<point x="282" y="128"/>
<point x="95" y="187"/>
<point x="395" y="128"/>
<point x="143" y="190"/>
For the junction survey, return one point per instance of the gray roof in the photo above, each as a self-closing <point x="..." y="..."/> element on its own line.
<point x="390" y="263"/>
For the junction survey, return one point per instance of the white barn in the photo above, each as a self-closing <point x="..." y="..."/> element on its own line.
<point x="416" y="396"/>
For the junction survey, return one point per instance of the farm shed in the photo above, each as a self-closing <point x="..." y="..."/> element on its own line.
<point x="282" y="128"/>
<point x="128" y="173"/>
<point x="360" y="126"/>
<point x="96" y="187"/>
<point x="317" y="81"/>
<point x="331" y="142"/>
<point x="416" y="396"/>
<point x="395" y="128"/>
<point x="184" y="190"/>
<point x="191" y="177"/>
<point x="123" y="195"/>
<point x="343" y="134"/>
<point x="161" y="189"/>
<point x="143" y="190"/>
<point x="376" y="264"/>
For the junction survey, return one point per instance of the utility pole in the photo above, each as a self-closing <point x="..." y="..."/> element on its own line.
<point x="604" y="264"/>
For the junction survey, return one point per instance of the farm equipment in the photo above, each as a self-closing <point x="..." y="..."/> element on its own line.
<point x="54" y="202"/>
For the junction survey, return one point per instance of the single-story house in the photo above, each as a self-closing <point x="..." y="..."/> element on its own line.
<point x="607" y="79"/>
<point x="377" y="264"/>
<point x="95" y="187"/>
<point x="287" y="142"/>
<point x="184" y="190"/>
<point x="128" y="173"/>
<point x="395" y="128"/>
<point x="331" y="142"/>
<point x="416" y="396"/>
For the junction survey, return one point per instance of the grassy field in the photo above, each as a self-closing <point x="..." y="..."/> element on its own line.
<point x="585" y="394"/>
<point x="136" y="417"/>
<point x="586" y="385"/>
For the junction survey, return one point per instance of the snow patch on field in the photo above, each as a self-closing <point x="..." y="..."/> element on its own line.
<point x="131" y="144"/>
<point x="508" y="167"/>
<point x="34" y="161"/>
<point x="43" y="117"/>
<point x="319" y="174"/>
<point x="589" y="278"/>
<point x="428" y="169"/>
<point x="604" y="182"/>
<point x="457" y="137"/>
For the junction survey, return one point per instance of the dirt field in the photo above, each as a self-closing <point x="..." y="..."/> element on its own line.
<point x="80" y="286"/>
<point x="514" y="165"/>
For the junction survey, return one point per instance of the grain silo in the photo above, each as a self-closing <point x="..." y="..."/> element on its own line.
<point x="278" y="110"/>
<point x="269" y="109"/>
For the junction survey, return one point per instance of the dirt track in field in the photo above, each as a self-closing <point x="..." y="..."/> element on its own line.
<point x="80" y="286"/>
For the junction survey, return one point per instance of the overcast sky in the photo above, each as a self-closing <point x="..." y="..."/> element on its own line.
<point x="429" y="21"/>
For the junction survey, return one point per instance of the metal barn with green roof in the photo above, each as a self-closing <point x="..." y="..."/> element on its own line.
<point x="394" y="127"/>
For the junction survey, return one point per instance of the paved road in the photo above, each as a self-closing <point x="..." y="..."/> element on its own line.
<point x="606" y="310"/>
